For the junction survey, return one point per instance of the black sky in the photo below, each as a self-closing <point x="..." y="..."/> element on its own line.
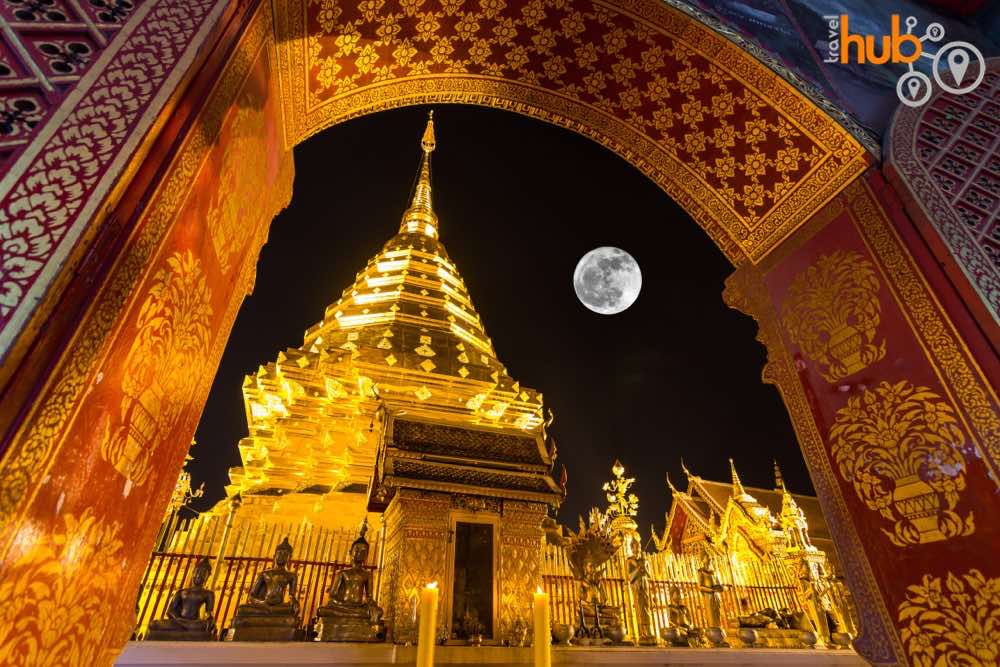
<point x="519" y="202"/>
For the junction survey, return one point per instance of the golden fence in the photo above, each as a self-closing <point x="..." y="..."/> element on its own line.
<point x="318" y="554"/>
<point x="760" y="583"/>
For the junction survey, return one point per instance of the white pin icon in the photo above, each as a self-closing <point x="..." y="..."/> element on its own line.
<point x="958" y="63"/>
<point x="914" y="87"/>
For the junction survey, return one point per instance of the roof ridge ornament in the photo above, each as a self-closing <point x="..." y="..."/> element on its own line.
<point x="738" y="491"/>
<point x="420" y="218"/>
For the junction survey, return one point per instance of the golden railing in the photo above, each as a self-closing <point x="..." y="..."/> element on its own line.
<point x="318" y="555"/>
<point x="766" y="583"/>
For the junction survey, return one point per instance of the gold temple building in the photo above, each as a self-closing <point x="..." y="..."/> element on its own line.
<point x="746" y="517"/>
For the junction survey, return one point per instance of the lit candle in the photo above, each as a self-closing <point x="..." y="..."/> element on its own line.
<point x="428" y="624"/>
<point x="543" y="633"/>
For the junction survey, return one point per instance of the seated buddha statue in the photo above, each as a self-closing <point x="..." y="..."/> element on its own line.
<point x="351" y="613"/>
<point x="266" y="615"/>
<point x="681" y="630"/>
<point x="184" y="620"/>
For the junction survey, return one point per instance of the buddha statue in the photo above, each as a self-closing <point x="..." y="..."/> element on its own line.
<point x="680" y="630"/>
<point x="184" y="620"/>
<point x="351" y="613"/>
<point x="639" y="576"/>
<point x="267" y="616"/>
<point x="708" y="584"/>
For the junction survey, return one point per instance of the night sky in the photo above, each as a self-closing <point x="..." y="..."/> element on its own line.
<point x="519" y="202"/>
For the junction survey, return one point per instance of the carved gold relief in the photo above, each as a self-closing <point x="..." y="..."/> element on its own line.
<point x="832" y="312"/>
<point x="955" y="622"/>
<point x="162" y="367"/>
<point x="900" y="446"/>
<point x="55" y="595"/>
<point x="238" y="198"/>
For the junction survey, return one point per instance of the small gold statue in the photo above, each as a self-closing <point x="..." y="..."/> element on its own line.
<point x="680" y="630"/>
<point x="711" y="588"/>
<point x="708" y="583"/>
<point x="351" y="614"/>
<point x="266" y="616"/>
<point x="758" y="619"/>
<point x="812" y="603"/>
<point x="638" y="578"/>
<point x="184" y="621"/>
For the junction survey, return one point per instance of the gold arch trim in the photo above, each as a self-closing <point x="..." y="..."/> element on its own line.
<point x="745" y="220"/>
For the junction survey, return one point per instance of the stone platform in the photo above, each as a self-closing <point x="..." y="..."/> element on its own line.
<point x="238" y="654"/>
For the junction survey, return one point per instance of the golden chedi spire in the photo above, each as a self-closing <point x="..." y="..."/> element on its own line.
<point x="420" y="218"/>
<point x="404" y="336"/>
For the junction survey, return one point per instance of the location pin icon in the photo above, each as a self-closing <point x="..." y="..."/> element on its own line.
<point x="914" y="86"/>
<point x="958" y="63"/>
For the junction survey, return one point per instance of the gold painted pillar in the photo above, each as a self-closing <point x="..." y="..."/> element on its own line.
<point x="897" y="416"/>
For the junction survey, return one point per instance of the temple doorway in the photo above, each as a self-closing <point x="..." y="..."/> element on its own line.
<point x="472" y="586"/>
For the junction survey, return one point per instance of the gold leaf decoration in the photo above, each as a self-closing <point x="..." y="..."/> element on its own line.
<point x="61" y="586"/>
<point x="900" y="446"/>
<point x="954" y="623"/>
<point x="832" y="312"/>
<point x="162" y="367"/>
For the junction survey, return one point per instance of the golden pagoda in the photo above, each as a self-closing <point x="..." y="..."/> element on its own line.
<point x="396" y="402"/>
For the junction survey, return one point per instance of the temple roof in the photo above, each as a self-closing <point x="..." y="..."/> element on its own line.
<point x="704" y="498"/>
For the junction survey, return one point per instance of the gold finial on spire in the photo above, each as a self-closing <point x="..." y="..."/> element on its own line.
<point x="738" y="489"/>
<point x="779" y="479"/>
<point x="419" y="218"/>
<point x="427" y="142"/>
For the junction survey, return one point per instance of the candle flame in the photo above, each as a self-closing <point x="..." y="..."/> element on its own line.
<point x="539" y="590"/>
<point x="433" y="584"/>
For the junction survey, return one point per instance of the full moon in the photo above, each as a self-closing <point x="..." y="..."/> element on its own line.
<point x="607" y="280"/>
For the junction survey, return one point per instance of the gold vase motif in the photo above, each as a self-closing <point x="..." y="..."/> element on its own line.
<point x="832" y="312"/>
<point x="952" y="622"/>
<point x="900" y="446"/>
<point x="162" y="366"/>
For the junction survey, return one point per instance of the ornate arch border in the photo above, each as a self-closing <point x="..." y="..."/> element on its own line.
<point x="841" y="157"/>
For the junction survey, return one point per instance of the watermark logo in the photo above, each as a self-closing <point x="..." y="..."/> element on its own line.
<point x="914" y="87"/>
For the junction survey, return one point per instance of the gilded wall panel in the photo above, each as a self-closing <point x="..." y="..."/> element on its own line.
<point x="519" y="569"/>
<point x="416" y="553"/>
<point x="952" y="620"/>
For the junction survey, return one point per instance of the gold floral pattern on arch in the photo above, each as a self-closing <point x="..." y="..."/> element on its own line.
<point x="162" y="367"/>
<point x="901" y="447"/>
<point x="956" y="622"/>
<point x="61" y="585"/>
<point x="237" y="198"/>
<point x="832" y="311"/>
